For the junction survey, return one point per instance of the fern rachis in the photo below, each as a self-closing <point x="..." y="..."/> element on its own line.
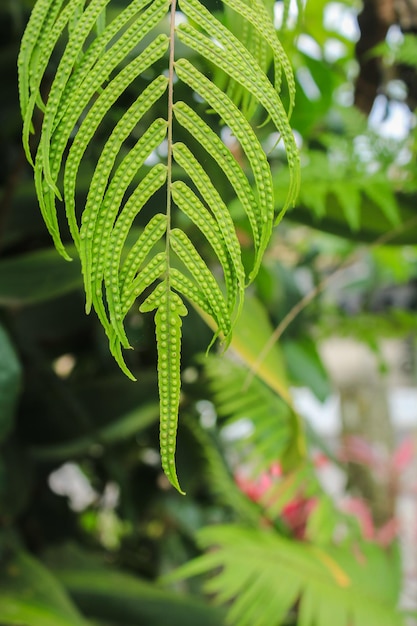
<point x="98" y="64"/>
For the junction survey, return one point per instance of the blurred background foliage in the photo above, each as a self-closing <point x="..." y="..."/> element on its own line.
<point x="88" y="524"/>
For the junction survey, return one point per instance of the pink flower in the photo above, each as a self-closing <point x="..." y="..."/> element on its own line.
<point x="384" y="535"/>
<point x="295" y="513"/>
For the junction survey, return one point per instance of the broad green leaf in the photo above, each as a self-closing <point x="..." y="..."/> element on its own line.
<point x="373" y="224"/>
<point x="36" y="277"/>
<point x="349" y="197"/>
<point x="104" y="592"/>
<point x="250" y="333"/>
<point x="305" y="367"/>
<point x="31" y="595"/>
<point x="10" y="381"/>
<point x="122" y="428"/>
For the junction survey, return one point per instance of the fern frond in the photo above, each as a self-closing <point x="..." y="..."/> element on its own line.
<point x="99" y="66"/>
<point x="145" y="190"/>
<point x="274" y="425"/>
<point x="239" y="63"/>
<point x="220" y="479"/>
<point x="202" y="275"/>
<point x="258" y="17"/>
<point x="40" y="22"/>
<point x="90" y="124"/>
<point x="191" y="206"/>
<point x="261" y="215"/>
<point x="223" y="156"/>
<point x="262" y="576"/>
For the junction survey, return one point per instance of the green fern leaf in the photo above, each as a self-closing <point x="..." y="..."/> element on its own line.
<point x="220" y="479"/>
<point x="262" y="576"/>
<point x="222" y="155"/>
<point x="187" y="253"/>
<point x="274" y="424"/>
<point x="88" y="127"/>
<point x="256" y="44"/>
<point x="147" y="187"/>
<point x="170" y="309"/>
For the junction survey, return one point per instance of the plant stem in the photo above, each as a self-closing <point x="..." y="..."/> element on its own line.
<point x="169" y="121"/>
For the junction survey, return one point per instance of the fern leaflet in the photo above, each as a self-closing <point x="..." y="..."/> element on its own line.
<point x="99" y="65"/>
<point x="261" y="576"/>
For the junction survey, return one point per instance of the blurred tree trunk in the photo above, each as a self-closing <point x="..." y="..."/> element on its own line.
<point x="374" y="21"/>
<point x="365" y="420"/>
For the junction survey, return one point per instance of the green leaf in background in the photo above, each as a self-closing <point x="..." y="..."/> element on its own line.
<point x="10" y="381"/>
<point x="31" y="596"/>
<point x="373" y="223"/>
<point x="37" y="276"/>
<point x="106" y="593"/>
<point x="275" y="431"/>
<point x="252" y="331"/>
<point x="381" y="194"/>
<point x="250" y="334"/>
<point x="346" y="201"/>
<point x="349" y="198"/>
<point x="262" y="576"/>
<point x="122" y="428"/>
<point x="305" y="367"/>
